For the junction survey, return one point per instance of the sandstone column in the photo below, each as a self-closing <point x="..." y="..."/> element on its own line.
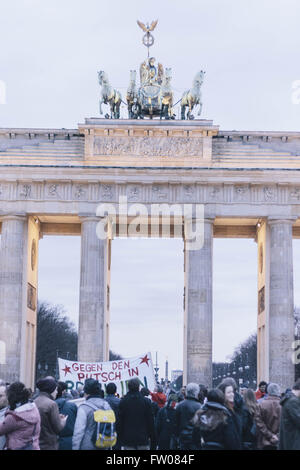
<point x="275" y="302"/>
<point x="93" y="327"/>
<point x="281" y="313"/>
<point x="11" y="295"/>
<point x="198" y="311"/>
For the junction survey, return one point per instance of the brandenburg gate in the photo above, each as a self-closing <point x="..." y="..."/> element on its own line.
<point x="53" y="180"/>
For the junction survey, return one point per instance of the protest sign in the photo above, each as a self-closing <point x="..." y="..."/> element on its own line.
<point x="119" y="372"/>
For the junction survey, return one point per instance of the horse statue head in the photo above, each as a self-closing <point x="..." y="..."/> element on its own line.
<point x="102" y="77"/>
<point x="199" y="78"/>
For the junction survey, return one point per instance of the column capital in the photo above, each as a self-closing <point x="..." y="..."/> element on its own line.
<point x="90" y="218"/>
<point x="19" y="217"/>
<point x="272" y="220"/>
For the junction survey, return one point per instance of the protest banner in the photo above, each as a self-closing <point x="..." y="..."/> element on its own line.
<point x="74" y="373"/>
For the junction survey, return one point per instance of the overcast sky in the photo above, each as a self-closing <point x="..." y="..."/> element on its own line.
<point x="49" y="56"/>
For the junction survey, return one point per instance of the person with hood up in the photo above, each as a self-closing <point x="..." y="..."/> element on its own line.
<point x="84" y="425"/>
<point x="166" y="424"/>
<point x="289" y="434"/>
<point x="22" y="422"/>
<point x="268" y="419"/>
<point x="3" y="409"/>
<point x="52" y="423"/>
<point x="213" y="423"/>
<point x="158" y="396"/>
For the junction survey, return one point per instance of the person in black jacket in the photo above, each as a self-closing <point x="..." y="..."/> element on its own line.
<point x="114" y="403"/>
<point x="166" y="424"/>
<point x="213" y="422"/>
<point x="154" y="406"/>
<point x="185" y="411"/>
<point x="249" y="435"/>
<point x="238" y="403"/>
<point x="135" y="426"/>
<point x="234" y="420"/>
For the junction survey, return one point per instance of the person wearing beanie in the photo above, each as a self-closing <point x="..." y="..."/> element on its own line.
<point x="84" y="424"/>
<point x="52" y="422"/>
<point x="268" y="419"/>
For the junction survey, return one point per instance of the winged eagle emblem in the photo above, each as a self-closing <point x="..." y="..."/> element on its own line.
<point x="147" y="28"/>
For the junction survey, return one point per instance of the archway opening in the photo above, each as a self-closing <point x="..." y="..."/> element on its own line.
<point x="234" y="309"/>
<point x="146" y="303"/>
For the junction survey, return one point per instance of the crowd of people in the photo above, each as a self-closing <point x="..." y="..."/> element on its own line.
<point x="222" y="418"/>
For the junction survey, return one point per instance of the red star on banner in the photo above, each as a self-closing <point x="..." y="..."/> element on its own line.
<point x="66" y="370"/>
<point x="145" y="359"/>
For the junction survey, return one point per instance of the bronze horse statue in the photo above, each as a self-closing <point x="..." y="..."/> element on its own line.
<point x="192" y="97"/>
<point x="109" y="96"/>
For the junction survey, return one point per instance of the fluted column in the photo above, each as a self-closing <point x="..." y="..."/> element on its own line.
<point x="281" y="303"/>
<point x="11" y="295"/>
<point x="92" y="337"/>
<point x="198" y="310"/>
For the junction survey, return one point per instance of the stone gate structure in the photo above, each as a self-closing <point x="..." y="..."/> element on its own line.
<point x="52" y="181"/>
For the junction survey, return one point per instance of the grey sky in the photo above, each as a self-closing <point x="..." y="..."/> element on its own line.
<point x="49" y="56"/>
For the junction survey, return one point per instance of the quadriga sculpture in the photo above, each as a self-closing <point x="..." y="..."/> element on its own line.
<point x="192" y="97"/>
<point x="109" y="96"/>
<point x="132" y="97"/>
<point x="166" y="96"/>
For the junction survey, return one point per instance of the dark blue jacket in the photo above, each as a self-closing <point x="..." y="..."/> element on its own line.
<point x="65" y="436"/>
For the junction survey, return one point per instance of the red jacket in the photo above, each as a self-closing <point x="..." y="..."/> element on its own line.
<point x="159" y="398"/>
<point x="259" y="394"/>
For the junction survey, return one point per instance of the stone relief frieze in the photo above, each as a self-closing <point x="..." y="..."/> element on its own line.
<point x="148" y="146"/>
<point x="80" y="192"/>
<point x="160" y="192"/>
<point x="295" y="194"/>
<point x="215" y="193"/>
<point x="25" y="191"/>
<point x="106" y="192"/>
<point x="134" y="193"/>
<point x="4" y="191"/>
<point x="53" y="191"/>
<point x="155" y="192"/>
<point x="241" y="192"/>
<point x="269" y="193"/>
<point x="188" y="192"/>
